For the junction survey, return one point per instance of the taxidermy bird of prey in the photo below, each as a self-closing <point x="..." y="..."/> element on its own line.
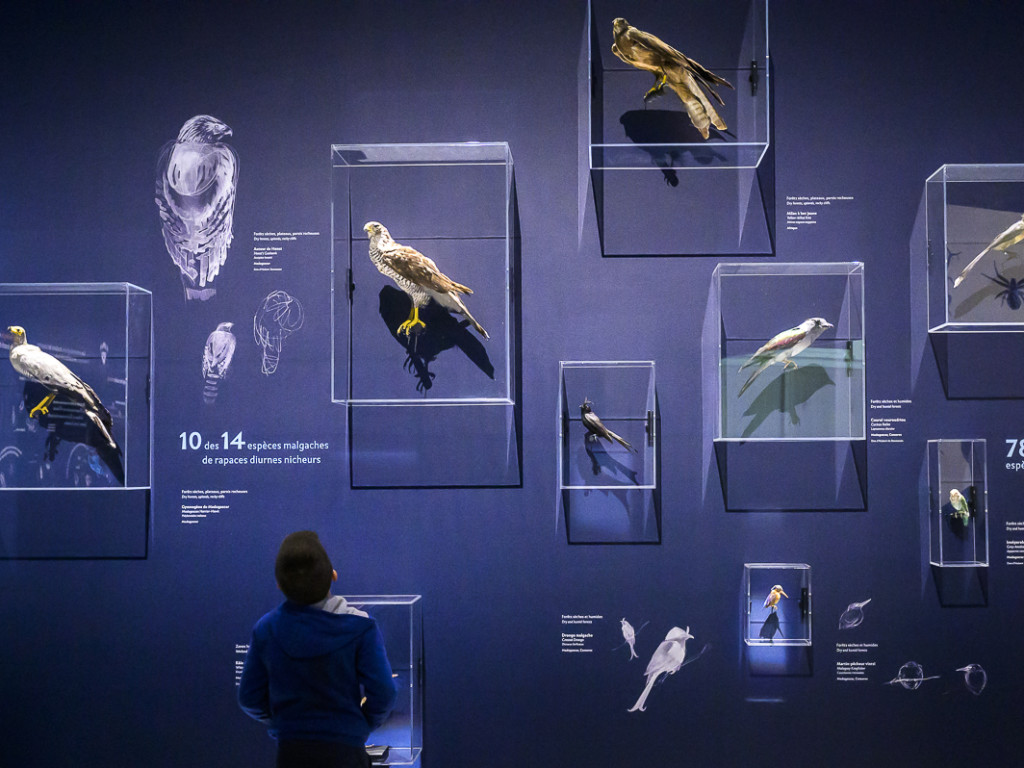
<point x="417" y="276"/>
<point x="685" y="76"/>
<point x="772" y="601"/>
<point x="961" y="509"/>
<point x="1012" y="235"/>
<point x="667" y="659"/>
<point x="217" y="354"/>
<point x="596" y="428"/>
<point x="34" y="364"/>
<point x="195" y="192"/>
<point x="783" y="347"/>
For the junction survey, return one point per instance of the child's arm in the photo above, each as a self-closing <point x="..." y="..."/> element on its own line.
<point x="374" y="672"/>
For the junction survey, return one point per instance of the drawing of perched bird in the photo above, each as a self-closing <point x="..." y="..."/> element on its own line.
<point x="630" y="636"/>
<point x="783" y="347"/>
<point x="772" y="601"/>
<point x="217" y="355"/>
<point x="685" y="76"/>
<point x="39" y="366"/>
<point x="1012" y="235"/>
<point x="195" y="193"/>
<point x="416" y="275"/>
<point x="853" y="616"/>
<point x="596" y="429"/>
<point x="961" y="508"/>
<point x="668" y="657"/>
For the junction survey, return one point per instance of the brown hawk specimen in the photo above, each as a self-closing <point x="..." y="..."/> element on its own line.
<point x="685" y="76"/>
<point x="418" y="276"/>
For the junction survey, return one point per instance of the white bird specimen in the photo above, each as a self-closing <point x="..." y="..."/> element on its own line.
<point x="1012" y="235"/>
<point x="667" y="659"/>
<point x="783" y="347"/>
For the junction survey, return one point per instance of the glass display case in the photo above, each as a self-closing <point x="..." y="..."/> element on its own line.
<point x="400" y="618"/>
<point x="406" y="370"/>
<point x="783" y="352"/>
<point x="776" y="604"/>
<point x="102" y="334"/>
<point x="957" y="503"/>
<point x="647" y="154"/>
<point x="607" y="450"/>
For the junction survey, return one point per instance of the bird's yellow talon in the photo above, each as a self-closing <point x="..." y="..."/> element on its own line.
<point x="43" y="406"/>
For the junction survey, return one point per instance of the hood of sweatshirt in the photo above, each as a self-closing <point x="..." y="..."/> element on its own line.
<point x="305" y="632"/>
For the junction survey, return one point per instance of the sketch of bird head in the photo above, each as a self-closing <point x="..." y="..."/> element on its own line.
<point x="17" y="335"/>
<point x="679" y="635"/>
<point x="203" y="129"/>
<point x="225" y="326"/>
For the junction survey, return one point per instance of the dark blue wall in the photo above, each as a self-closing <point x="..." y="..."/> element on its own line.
<point x="129" y="662"/>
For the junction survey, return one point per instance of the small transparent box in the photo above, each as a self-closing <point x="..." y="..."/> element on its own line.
<point x="816" y="394"/>
<point x="400" y="619"/>
<point x="102" y="332"/>
<point x="454" y="203"/>
<point x="975" y="228"/>
<point x="776" y="604"/>
<point x="957" y="503"/>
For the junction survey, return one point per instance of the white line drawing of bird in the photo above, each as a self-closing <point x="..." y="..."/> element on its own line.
<point x="783" y="347"/>
<point x="772" y="601"/>
<point x="195" y="193"/>
<point x="418" y="276"/>
<point x="975" y="678"/>
<point x="683" y="75"/>
<point x="595" y="427"/>
<point x="217" y="355"/>
<point x="853" y="616"/>
<point x="668" y="657"/>
<point x="1012" y="235"/>
<point x="630" y="636"/>
<point x="42" y="367"/>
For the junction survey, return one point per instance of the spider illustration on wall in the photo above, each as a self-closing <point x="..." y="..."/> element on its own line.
<point x="1013" y="289"/>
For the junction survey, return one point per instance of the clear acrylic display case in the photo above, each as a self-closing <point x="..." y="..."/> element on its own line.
<point x="103" y="333"/>
<point x="967" y="209"/>
<point x="648" y="156"/>
<point x="788" y="623"/>
<point x="400" y="619"/>
<point x="608" y="489"/>
<point x="455" y="204"/>
<point x="822" y="397"/>
<point x="956" y="541"/>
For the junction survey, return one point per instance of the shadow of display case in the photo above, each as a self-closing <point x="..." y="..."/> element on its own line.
<point x="66" y="490"/>
<point x="957" y="504"/>
<point x="607" y="451"/>
<point x="784" y="380"/>
<point x="400" y="619"/>
<point x="776" y="607"/>
<point x="409" y="390"/>
<point x="975" y="225"/>
<point x="647" y="155"/>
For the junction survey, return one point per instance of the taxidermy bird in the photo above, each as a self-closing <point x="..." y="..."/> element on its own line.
<point x="417" y="276"/>
<point x="630" y="636"/>
<point x="217" y="355"/>
<point x="685" y="76"/>
<point x="596" y="429"/>
<point x="667" y="659"/>
<point x="961" y="508"/>
<point x="195" y="193"/>
<point x="783" y="347"/>
<point x="1012" y="235"/>
<point x="772" y="601"/>
<point x="34" y="364"/>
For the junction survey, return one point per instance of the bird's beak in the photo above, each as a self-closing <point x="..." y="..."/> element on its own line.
<point x="784" y="594"/>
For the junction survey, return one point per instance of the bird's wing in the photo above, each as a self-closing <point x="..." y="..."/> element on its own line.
<point x="652" y="48"/>
<point x="417" y="268"/>
<point x="46" y="369"/>
<point x="782" y="341"/>
<point x="706" y="77"/>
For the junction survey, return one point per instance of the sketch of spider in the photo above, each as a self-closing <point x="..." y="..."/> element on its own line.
<point x="1013" y="289"/>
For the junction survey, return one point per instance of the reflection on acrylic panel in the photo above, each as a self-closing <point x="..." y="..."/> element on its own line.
<point x="278" y="317"/>
<point x="217" y="355"/>
<point x="975" y="229"/>
<point x="400" y="620"/>
<point x="958" y="503"/>
<point x="195" y="193"/>
<point x="790" y="351"/>
<point x="776" y="607"/>
<point x="78" y="372"/>
<point x="422" y="314"/>
<point x="636" y="124"/>
<point x="606" y="415"/>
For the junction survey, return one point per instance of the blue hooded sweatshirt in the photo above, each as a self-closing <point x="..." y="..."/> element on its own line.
<point x="306" y="671"/>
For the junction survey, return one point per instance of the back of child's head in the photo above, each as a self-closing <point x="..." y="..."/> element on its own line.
<point x="302" y="569"/>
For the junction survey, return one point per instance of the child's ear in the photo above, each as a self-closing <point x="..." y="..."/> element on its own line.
<point x="334" y="575"/>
